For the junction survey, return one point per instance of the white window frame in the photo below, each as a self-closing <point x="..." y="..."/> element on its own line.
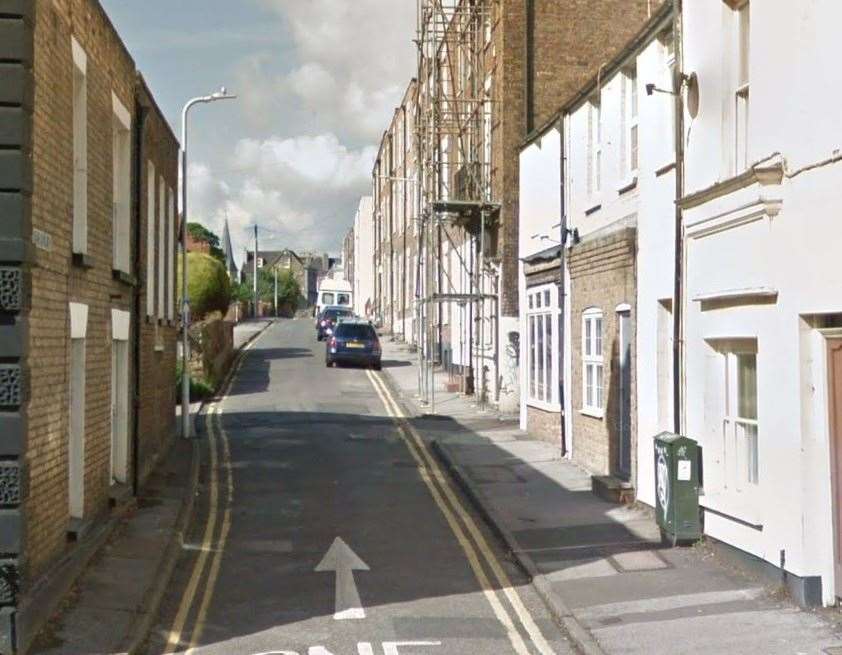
<point x="121" y="186"/>
<point x="542" y="365"/>
<point x="162" y="260"/>
<point x="151" y="178"/>
<point x="593" y="362"/>
<point x="630" y="159"/>
<point x="80" y="148"/>
<point x="740" y="434"/>
<point x="594" y="112"/>
<point x="741" y="73"/>
<point x="171" y="254"/>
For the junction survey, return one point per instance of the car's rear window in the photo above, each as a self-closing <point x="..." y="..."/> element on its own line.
<point x="363" y="332"/>
<point x="336" y="313"/>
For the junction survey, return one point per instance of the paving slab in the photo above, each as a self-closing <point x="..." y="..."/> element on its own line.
<point x="599" y="566"/>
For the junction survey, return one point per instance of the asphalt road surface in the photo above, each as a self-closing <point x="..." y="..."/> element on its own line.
<point x="325" y="527"/>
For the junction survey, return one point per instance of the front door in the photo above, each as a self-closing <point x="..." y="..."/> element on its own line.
<point x="834" y="367"/>
<point x="119" y="411"/>
<point x="624" y="464"/>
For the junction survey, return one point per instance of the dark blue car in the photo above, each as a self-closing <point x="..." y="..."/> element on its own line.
<point x="353" y="342"/>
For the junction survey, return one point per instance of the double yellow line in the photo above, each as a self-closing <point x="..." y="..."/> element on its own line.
<point x="211" y="549"/>
<point x="467" y="533"/>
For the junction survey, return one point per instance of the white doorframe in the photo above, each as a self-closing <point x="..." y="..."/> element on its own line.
<point x="76" y="432"/>
<point x="119" y="469"/>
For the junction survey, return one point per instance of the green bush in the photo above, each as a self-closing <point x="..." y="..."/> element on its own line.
<point x="199" y="389"/>
<point x="208" y="285"/>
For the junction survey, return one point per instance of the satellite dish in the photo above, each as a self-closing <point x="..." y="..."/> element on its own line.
<point x="693" y="95"/>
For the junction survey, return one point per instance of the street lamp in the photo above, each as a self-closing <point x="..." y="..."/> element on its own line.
<point x="222" y="94"/>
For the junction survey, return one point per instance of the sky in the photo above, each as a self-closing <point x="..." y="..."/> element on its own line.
<point x="317" y="83"/>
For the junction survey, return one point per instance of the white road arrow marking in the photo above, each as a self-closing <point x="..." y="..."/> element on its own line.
<point x="344" y="561"/>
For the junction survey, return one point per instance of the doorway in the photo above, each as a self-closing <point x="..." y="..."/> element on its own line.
<point x="624" y="400"/>
<point x="119" y="411"/>
<point x="834" y="369"/>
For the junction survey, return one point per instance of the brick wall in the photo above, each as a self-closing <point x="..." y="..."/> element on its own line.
<point x="544" y="425"/>
<point x="56" y="280"/>
<point x="158" y="333"/>
<point x="603" y="276"/>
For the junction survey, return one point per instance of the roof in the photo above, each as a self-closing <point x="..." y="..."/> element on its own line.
<point x="657" y="22"/>
<point x="548" y="254"/>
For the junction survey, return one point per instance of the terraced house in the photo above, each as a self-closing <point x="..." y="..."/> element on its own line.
<point x="88" y="172"/>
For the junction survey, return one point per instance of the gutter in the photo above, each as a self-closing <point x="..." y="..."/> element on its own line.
<point x="562" y="295"/>
<point x="678" y="292"/>
<point x="140" y="123"/>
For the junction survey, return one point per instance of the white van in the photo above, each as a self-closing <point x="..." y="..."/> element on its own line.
<point x="334" y="293"/>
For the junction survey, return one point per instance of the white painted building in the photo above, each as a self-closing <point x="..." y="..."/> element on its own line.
<point x="363" y="291"/>
<point x="619" y="186"/>
<point x="763" y="301"/>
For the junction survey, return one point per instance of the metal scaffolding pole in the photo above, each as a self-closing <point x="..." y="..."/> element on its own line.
<point x="453" y="132"/>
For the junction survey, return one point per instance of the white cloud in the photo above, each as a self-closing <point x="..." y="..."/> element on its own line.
<point x="354" y="61"/>
<point x="300" y="191"/>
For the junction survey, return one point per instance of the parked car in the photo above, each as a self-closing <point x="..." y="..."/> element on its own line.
<point x="354" y="341"/>
<point x="329" y="318"/>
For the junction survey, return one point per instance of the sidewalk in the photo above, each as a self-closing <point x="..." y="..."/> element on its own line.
<point x="599" y="566"/>
<point x="113" y="604"/>
<point x="114" y="601"/>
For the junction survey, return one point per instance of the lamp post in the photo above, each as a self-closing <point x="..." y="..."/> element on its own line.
<point x="222" y="94"/>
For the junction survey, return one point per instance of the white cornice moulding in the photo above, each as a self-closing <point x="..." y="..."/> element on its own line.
<point x="747" y="294"/>
<point x="748" y="213"/>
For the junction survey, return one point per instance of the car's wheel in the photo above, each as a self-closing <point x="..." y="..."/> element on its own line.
<point x="328" y="363"/>
<point x="377" y="366"/>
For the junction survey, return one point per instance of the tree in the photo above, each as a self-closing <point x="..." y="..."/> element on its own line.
<point x="208" y="285"/>
<point x="289" y="290"/>
<point x="202" y="234"/>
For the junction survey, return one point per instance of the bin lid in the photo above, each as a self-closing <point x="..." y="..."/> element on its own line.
<point x="672" y="437"/>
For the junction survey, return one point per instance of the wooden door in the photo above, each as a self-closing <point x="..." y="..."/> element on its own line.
<point x="834" y="367"/>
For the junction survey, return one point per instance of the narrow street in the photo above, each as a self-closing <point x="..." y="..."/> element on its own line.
<point x="300" y="460"/>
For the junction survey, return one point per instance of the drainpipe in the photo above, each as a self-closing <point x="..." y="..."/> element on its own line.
<point x="140" y="123"/>
<point x="677" y="312"/>
<point x="562" y="293"/>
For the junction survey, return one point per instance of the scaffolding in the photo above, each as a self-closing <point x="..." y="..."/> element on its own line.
<point x="455" y="208"/>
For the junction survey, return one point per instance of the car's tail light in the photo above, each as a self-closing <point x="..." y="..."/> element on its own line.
<point x="333" y="342"/>
<point x="324" y="323"/>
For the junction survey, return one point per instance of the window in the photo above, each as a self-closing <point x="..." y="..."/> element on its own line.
<point x="629" y="155"/>
<point x="740" y="422"/>
<point x="592" y="362"/>
<point x="150" y="239"/>
<point x="327" y="298"/>
<point x="594" y="148"/>
<point x="171" y="255"/>
<point x="542" y="322"/>
<point x="80" y="149"/>
<point x="162" y="247"/>
<point x="742" y="37"/>
<point x="121" y="181"/>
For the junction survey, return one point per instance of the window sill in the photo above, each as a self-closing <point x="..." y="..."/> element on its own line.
<point x="83" y="260"/>
<point x="627" y="185"/>
<point x="666" y="168"/>
<point x="593" y="413"/>
<point x="593" y="209"/>
<point x="159" y="348"/>
<point x="126" y="278"/>
<point x="543" y="405"/>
